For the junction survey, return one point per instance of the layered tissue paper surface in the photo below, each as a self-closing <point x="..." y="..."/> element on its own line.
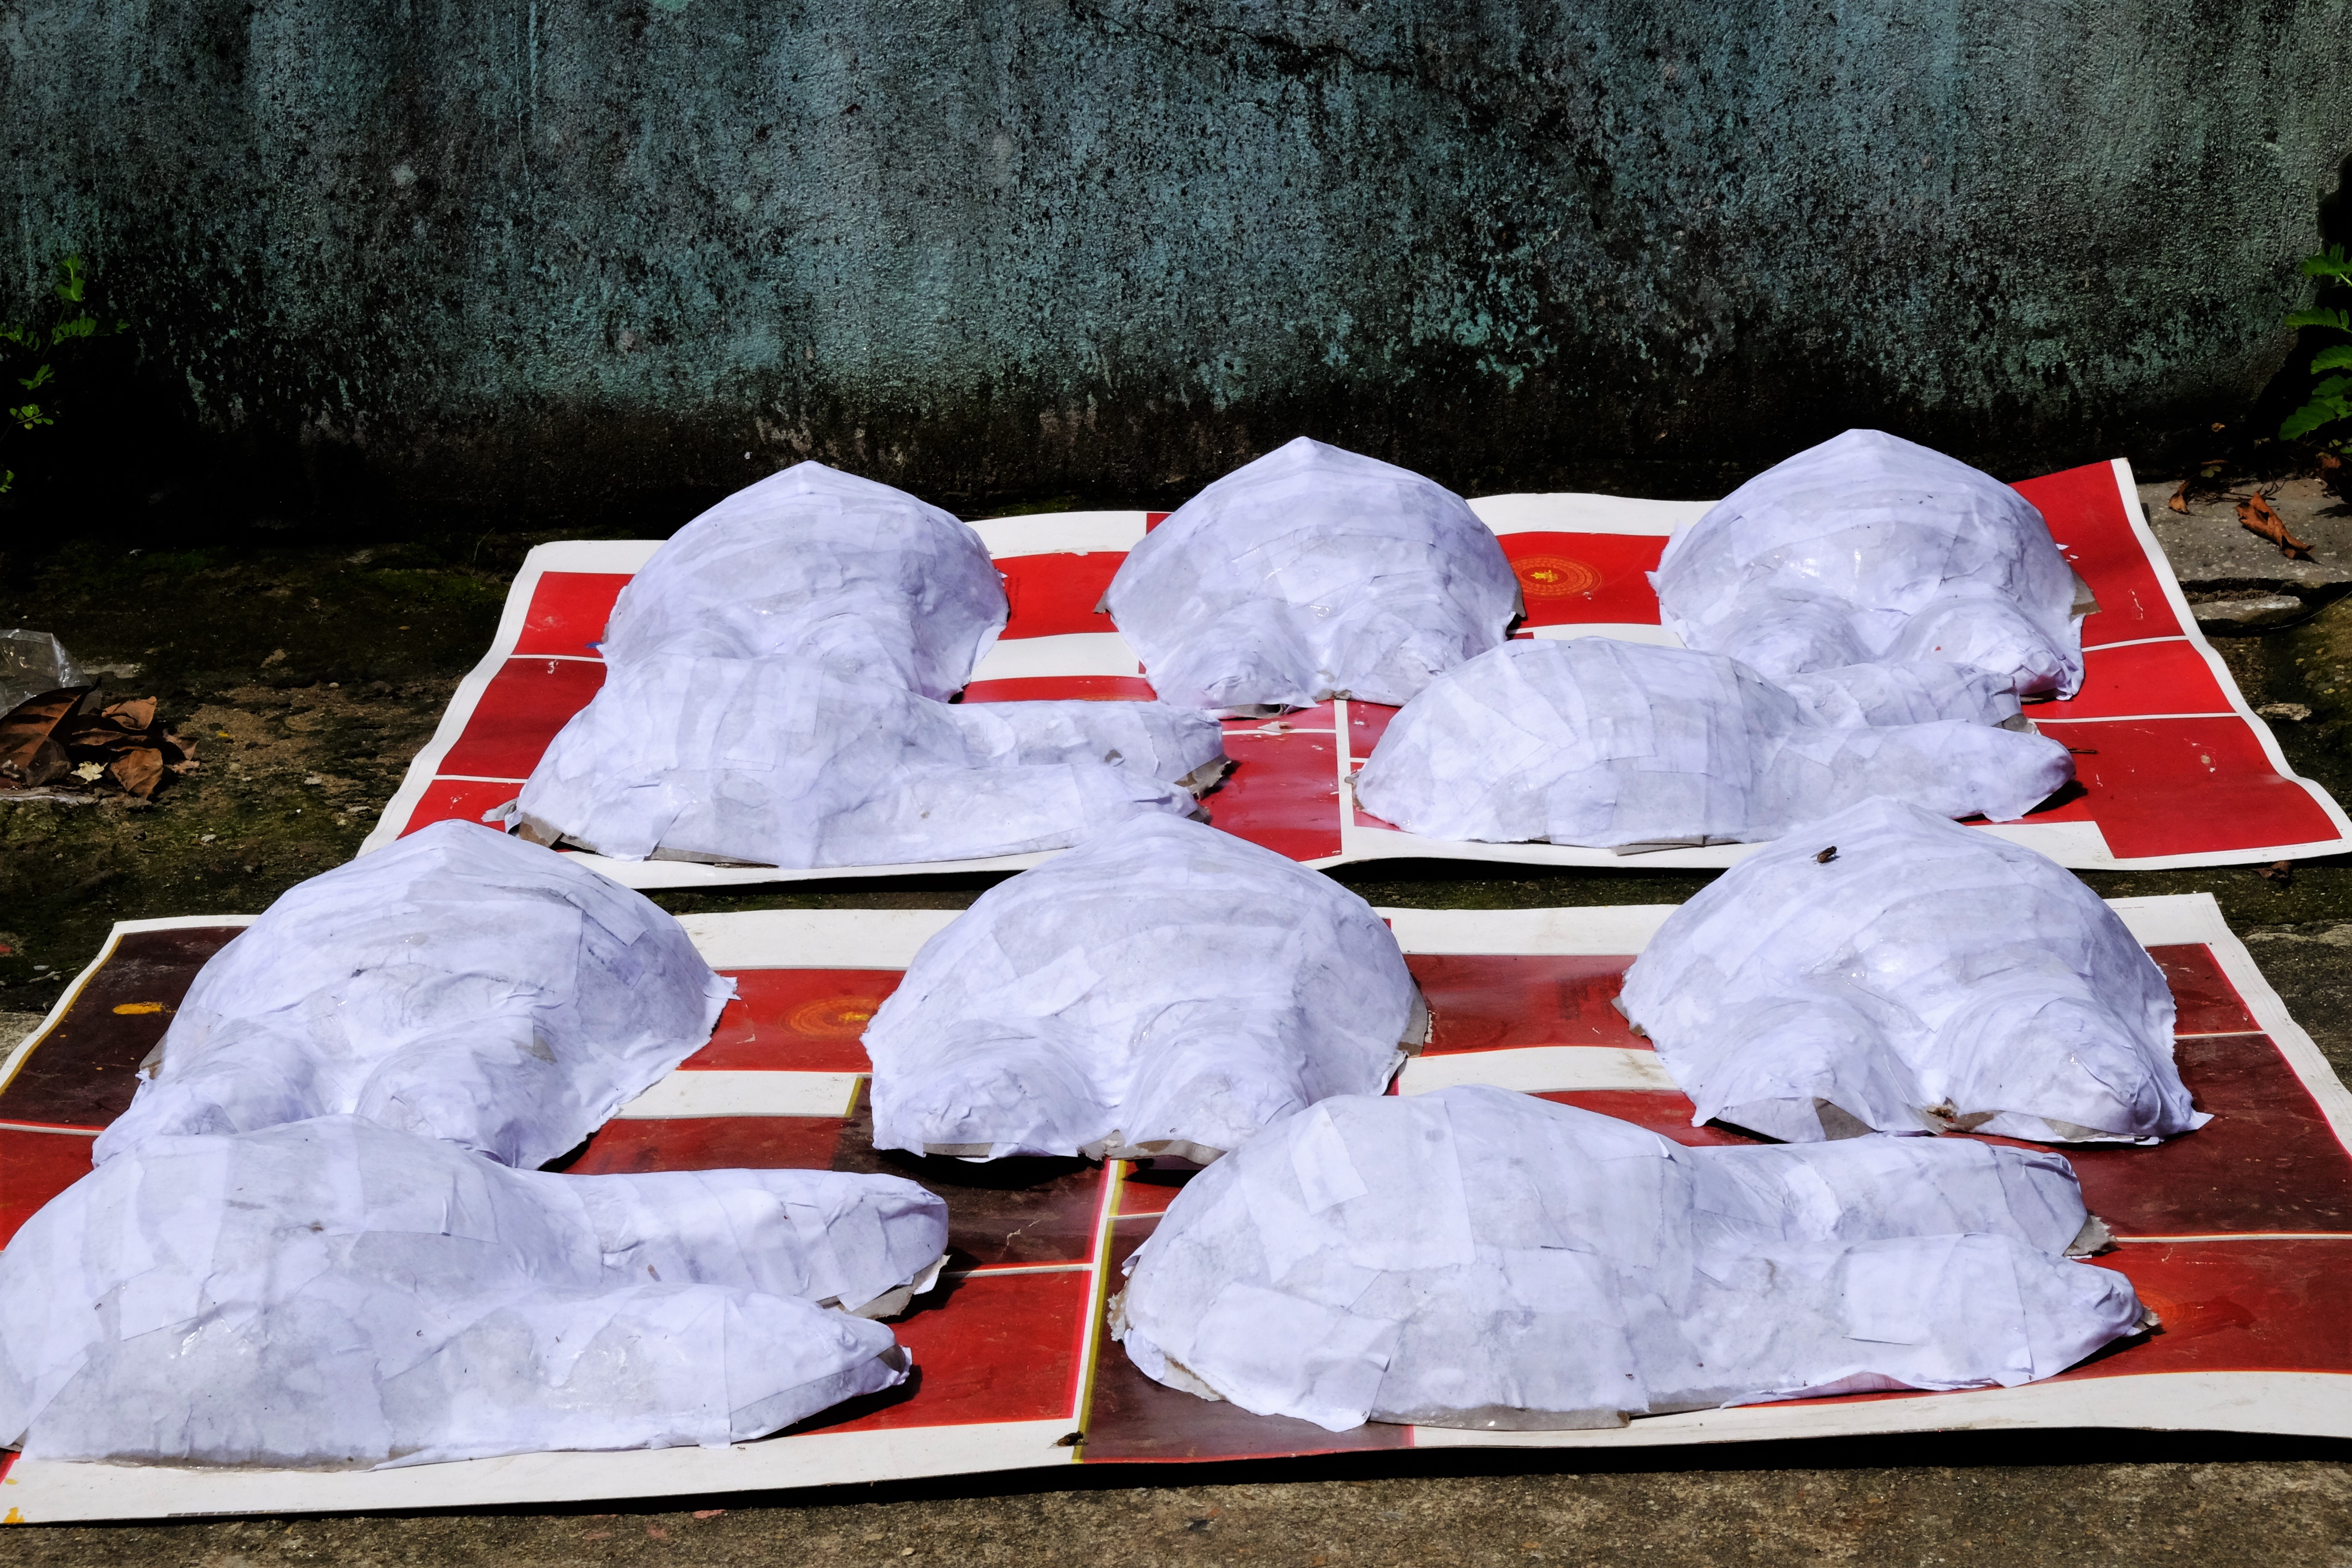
<point x="812" y="565"/>
<point x="460" y="984"/>
<point x="1477" y="1257"/>
<point x="1311" y="573"/>
<point x="1869" y="548"/>
<point x="1601" y="742"/>
<point x="775" y="690"/>
<point x="1885" y="969"/>
<point x="333" y="1293"/>
<point x="1163" y="989"/>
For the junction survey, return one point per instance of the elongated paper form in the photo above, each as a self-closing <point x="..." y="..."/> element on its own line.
<point x="1921" y="978"/>
<point x="1163" y="988"/>
<point x="335" y="1293"/>
<point x="461" y="985"/>
<point x="775" y="695"/>
<point x="1311" y="573"/>
<point x="1869" y="548"/>
<point x="1603" y="742"/>
<point x="1478" y="1258"/>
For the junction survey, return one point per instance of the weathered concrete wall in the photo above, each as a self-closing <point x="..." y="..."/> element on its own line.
<point x="539" y="253"/>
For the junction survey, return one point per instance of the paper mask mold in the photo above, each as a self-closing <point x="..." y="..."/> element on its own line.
<point x="1309" y="574"/>
<point x="1926" y="977"/>
<point x="459" y="984"/>
<point x="768" y="763"/>
<point x="1869" y="547"/>
<point x="774" y="695"/>
<point x="333" y="1293"/>
<point x="1596" y="741"/>
<point x="1162" y="989"/>
<point x="1480" y="1258"/>
<point x="812" y="565"/>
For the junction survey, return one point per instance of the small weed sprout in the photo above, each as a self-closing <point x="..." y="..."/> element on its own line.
<point x="32" y="351"/>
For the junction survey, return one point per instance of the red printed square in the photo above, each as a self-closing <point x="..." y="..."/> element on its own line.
<point x="1131" y="1417"/>
<point x="1367" y="722"/>
<point x="1661" y="1111"/>
<point x="1149" y="1186"/>
<point x="1061" y="689"/>
<point x="524" y="705"/>
<point x="992" y="1347"/>
<point x="460" y="800"/>
<point x="1484" y="1001"/>
<point x="2274" y="1305"/>
<point x="2205" y="1001"/>
<point x="2148" y="677"/>
<point x="2084" y="509"/>
<point x="2267" y="1161"/>
<point x="1052" y="596"/>
<point x="33" y="1168"/>
<point x="796" y="1020"/>
<point x="635" y="1145"/>
<point x="2185" y="786"/>
<point x="568" y="612"/>
<point x="1576" y="579"/>
<point x="1284" y="791"/>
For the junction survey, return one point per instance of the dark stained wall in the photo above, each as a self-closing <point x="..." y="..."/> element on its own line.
<point x="539" y="255"/>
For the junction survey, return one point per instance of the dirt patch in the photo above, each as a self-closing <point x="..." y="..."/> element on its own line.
<point x="292" y="780"/>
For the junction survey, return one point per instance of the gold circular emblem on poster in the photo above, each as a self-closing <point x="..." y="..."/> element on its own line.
<point x="834" y="1018"/>
<point x="1554" y="576"/>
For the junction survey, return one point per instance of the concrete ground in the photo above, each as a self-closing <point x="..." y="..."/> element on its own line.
<point x="307" y="675"/>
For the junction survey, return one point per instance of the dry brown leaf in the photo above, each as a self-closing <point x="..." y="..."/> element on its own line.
<point x="41" y="740"/>
<point x="139" y="771"/>
<point x="29" y="756"/>
<point x="134" y="716"/>
<point x="2180" y="501"/>
<point x="2254" y="514"/>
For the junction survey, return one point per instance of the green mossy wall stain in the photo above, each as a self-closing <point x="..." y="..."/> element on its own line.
<point x="537" y="255"/>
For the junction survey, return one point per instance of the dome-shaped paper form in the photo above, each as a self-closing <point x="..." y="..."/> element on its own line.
<point x="771" y="763"/>
<point x="1480" y="1258"/>
<point x="1924" y="977"/>
<point x="813" y="566"/>
<point x="1311" y="573"/>
<point x="773" y="696"/>
<point x="1162" y="989"/>
<point x="459" y="984"/>
<point x="1602" y="743"/>
<point x="1869" y="547"/>
<point x="335" y="1294"/>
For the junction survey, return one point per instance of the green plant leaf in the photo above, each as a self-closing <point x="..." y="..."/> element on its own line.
<point x="2333" y="390"/>
<point x="2329" y="263"/>
<point x="79" y="327"/>
<point x="39" y="378"/>
<point x="2337" y="358"/>
<point x="69" y="286"/>
<point x="2306" y="419"/>
<point x="2321" y="316"/>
